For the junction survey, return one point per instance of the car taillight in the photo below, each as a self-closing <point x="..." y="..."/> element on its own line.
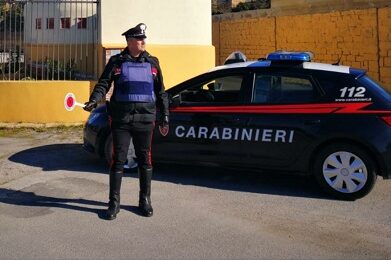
<point x="387" y="119"/>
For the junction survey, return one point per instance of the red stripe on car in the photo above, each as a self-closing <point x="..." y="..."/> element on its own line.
<point x="322" y="108"/>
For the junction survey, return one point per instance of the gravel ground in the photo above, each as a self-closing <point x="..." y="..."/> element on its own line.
<point x="13" y="139"/>
<point x="52" y="196"/>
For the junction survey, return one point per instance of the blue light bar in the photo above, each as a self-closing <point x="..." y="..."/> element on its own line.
<point x="290" y="56"/>
<point x="257" y="64"/>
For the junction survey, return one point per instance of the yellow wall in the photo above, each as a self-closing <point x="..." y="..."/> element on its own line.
<point x="181" y="62"/>
<point x="254" y="37"/>
<point x="384" y="23"/>
<point x="351" y="35"/>
<point x="361" y="38"/>
<point x="41" y="101"/>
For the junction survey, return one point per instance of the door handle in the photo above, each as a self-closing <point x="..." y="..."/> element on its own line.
<point x="312" y="122"/>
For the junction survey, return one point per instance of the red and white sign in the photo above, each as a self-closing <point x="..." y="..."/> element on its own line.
<point x="70" y="102"/>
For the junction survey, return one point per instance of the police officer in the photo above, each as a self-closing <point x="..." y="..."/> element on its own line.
<point x="138" y="90"/>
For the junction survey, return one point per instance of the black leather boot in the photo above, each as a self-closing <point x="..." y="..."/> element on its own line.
<point x="114" y="196"/>
<point x="145" y="176"/>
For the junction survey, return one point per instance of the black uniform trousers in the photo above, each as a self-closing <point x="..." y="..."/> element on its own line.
<point x="141" y="133"/>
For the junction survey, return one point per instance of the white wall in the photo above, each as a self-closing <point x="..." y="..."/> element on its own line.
<point x="168" y="21"/>
<point x="56" y="10"/>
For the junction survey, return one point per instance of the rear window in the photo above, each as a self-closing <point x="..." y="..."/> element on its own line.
<point x="368" y="82"/>
<point x="342" y="87"/>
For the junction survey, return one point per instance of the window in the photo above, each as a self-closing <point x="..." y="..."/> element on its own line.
<point x="65" y="23"/>
<point x="344" y="87"/>
<point x="49" y="23"/>
<point x="219" y="90"/>
<point x="81" y="23"/>
<point x="283" y="89"/>
<point x="38" y="23"/>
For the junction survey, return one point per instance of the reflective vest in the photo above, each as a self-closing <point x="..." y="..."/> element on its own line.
<point x="135" y="83"/>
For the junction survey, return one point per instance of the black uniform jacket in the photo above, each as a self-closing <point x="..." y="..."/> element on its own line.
<point x="125" y="112"/>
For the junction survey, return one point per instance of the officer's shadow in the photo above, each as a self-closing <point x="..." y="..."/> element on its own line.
<point x="30" y="199"/>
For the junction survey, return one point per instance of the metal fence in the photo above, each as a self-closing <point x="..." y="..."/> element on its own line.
<point x="48" y="39"/>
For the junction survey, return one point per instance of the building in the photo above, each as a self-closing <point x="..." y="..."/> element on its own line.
<point x="60" y="36"/>
<point x="73" y="39"/>
<point x="78" y="37"/>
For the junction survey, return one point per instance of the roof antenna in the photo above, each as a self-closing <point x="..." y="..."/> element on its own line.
<point x="337" y="63"/>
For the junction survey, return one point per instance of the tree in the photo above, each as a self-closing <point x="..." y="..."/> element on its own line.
<point x="220" y="7"/>
<point x="253" y="5"/>
<point x="11" y="14"/>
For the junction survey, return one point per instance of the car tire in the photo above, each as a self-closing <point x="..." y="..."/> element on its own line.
<point x="345" y="171"/>
<point x="108" y="152"/>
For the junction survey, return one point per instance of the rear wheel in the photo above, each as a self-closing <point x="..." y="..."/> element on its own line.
<point x="108" y="152"/>
<point x="345" y="171"/>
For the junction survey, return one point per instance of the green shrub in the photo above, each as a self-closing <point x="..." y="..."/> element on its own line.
<point x="253" y="5"/>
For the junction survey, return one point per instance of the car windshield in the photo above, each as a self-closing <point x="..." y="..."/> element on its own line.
<point x="367" y="81"/>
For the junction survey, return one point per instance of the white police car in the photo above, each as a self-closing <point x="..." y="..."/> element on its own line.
<point x="283" y="113"/>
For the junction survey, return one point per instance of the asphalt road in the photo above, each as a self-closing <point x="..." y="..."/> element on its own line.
<point x="52" y="195"/>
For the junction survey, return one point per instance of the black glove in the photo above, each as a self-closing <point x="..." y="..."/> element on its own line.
<point x="90" y="105"/>
<point x="164" y="120"/>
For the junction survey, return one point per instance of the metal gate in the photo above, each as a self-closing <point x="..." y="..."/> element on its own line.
<point x="48" y="39"/>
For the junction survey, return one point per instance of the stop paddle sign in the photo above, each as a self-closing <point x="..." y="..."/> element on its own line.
<point x="70" y="102"/>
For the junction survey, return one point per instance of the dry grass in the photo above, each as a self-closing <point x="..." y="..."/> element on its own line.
<point x="28" y="131"/>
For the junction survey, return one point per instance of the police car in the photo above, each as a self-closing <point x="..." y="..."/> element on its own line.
<point x="283" y="113"/>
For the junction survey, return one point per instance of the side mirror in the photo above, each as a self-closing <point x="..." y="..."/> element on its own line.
<point x="236" y="56"/>
<point x="211" y="86"/>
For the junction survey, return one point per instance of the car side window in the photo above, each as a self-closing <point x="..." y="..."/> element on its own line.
<point x="276" y="89"/>
<point x="341" y="87"/>
<point x="219" y="90"/>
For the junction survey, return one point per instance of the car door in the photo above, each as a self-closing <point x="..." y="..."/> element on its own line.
<point x="203" y="117"/>
<point x="283" y="119"/>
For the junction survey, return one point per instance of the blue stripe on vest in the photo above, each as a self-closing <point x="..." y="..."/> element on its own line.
<point x="135" y="83"/>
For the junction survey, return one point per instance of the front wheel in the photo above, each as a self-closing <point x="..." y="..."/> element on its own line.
<point x="345" y="171"/>
<point x="108" y="151"/>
